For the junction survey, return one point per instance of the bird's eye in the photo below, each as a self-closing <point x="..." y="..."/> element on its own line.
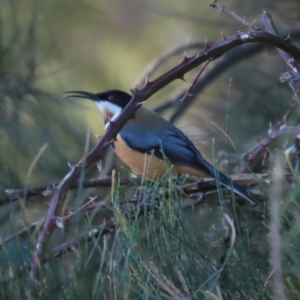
<point x="111" y="97"/>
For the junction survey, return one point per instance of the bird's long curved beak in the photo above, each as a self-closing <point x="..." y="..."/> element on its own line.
<point x="80" y="94"/>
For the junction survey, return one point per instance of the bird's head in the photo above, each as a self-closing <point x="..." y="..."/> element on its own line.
<point x="110" y="103"/>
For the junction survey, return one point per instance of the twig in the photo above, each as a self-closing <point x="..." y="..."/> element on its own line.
<point x="270" y="27"/>
<point x="59" y="222"/>
<point x="164" y="57"/>
<point x="253" y="158"/>
<point x="294" y="68"/>
<point x="224" y="10"/>
<point x="288" y="113"/>
<point x="47" y="190"/>
<point x="26" y="230"/>
<point x="187" y="94"/>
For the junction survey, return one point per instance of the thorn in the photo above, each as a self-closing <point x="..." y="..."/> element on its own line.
<point x="223" y="36"/>
<point x="148" y="83"/>
<point x="111" y="123"/>
<point x="271" y="130"/>
<point x="288" y="38"/>
<point x="271" y="136"/>
<point x="134" y="91"/>
<point x="265" y="157"/>
<point x="133" y="117"/>
<point x="181" y="77"/>
<point x="47" y="192"/>
<point x="282" y="123"/>
<point x="59" y="223"/>
<point x="207" y="46"/>
<point x="185" y="58"/>
<point x="70" y="166"/>
<point x="92" y="199"/>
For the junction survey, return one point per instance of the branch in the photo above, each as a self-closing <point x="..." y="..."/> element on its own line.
<point x="270" y="27"/>
<point x="254" y="158"/>
<point x="47" y="190"/>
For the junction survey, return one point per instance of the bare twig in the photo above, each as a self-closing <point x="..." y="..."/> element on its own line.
<point x="47" y="190"/>
<point x="164" y="57"/>
<point x="271" y="28"/>
<point x="253" y="158"/>
<point x="187" y="94"/>
<point x="225" y="10"/>
<point x="293" y="76"/>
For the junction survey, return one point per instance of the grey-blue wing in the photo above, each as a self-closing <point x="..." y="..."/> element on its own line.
<point x="170" y="143"/>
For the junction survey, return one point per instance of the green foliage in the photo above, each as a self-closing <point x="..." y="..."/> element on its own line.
<point x="175" y="250"/>
<point x="29" y="116"/>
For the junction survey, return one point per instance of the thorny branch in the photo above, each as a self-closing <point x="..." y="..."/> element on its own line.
<point x="292" y="65"/>
<point x="227" y="61"/>
<point x="47" y="190"/>
<point x="139" y="96"/>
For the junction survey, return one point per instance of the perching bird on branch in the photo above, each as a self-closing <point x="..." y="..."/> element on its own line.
<point x="150" y="145"/>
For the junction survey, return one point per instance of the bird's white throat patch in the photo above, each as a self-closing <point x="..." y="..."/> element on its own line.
<point x="109" y="111"/>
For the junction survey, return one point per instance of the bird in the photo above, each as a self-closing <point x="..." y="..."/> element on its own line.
<point x="150" y="145"/>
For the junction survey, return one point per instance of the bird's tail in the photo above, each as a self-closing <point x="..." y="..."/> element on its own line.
<point x="226" y="182"/>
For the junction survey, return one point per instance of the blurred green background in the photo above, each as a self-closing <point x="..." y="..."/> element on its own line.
<point x="49" y="47"/>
